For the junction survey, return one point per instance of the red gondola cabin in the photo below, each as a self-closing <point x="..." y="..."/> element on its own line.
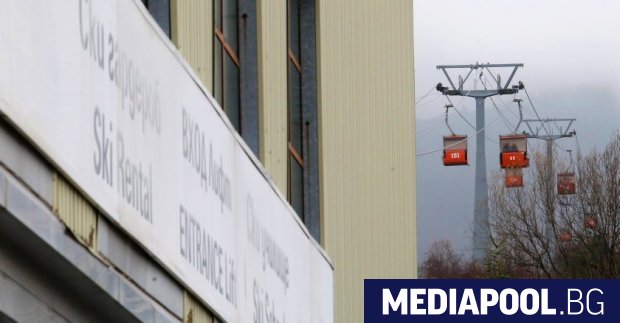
<point x="514" y="177"/>
<point x="590" y="222"/>
<point x="454" y="150"/>
<point x="566" y="236"/>
<point x="513" y="151"/>
<point x="566" y="183"/>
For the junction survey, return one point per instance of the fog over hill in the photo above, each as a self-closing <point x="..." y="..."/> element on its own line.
<point x="569" y="49"/>
<point x="445" y="194"/>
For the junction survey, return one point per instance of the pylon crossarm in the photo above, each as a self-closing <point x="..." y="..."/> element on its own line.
<point x="566" y="132"/>
<point x="449" y="79"/>
<point x="492" y="76"/>
<point x="514" y="70"/>
<point x="480" y="65"/>
<point x="535" y="125"/>
<point x="466" y="77"/>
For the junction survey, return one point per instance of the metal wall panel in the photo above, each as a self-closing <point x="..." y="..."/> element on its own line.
<point x="136" y="264"/>
<point x="75" y="212"/>
<point x="272" y="82"/>
<point x="195" y="312"/>
<point x="192" y="33"/>
<point x="25" y="161"/>
<point x="37" y="253"/>
<point x="366" y="119"/>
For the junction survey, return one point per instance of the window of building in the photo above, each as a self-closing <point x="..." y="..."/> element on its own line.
<point x="160" y="10"/>
<point x="226" y="60"/>
<point x="295" y="120"/>
<point x="303" y="160"/>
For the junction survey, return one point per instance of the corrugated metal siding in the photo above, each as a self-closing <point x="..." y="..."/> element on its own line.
<point x="366" y="82"/>
<point x="192" y="33"/>
<point x="75" y="211"/>
<point x="194" y="312"/>
<point x="272" y="82"/>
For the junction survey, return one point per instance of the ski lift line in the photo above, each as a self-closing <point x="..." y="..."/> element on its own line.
<point x="447" y="124"/>
<point x="429" y="101"/>
<point x="536" y="112"/>
<point x="558" y="145"/>
<point x="459" y="113"/>
<point x="495" y="105"/>
<point x="431" y="125"/>
<point x="425" y="95"/>
<point x="570" y="162"/>
<point x="463" y="97"/>
<point x="577" y="143"/>
<point x="491" y="140"/>
<point x="506" y="106"/>
<point x="417" y="106"/>
<point x="449" y="146"/>
<point x="467" y="121"/>
<point x="428" y="127"/>
<point x="501" y="115"/>
<point x="504" y="103"/>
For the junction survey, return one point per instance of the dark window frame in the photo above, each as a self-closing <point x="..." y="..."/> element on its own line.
<point x="230" y="78"/>
<point x="154" y="8"/>
<point x="302" y="114"/>
<point x="235" y="65"/>
<point x="295" y="188"/>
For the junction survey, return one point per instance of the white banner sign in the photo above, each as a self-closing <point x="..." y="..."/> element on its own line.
<point x="107" y="98"/>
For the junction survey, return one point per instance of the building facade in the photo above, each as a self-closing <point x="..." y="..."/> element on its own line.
<point x="320" y="96"/>
<point x="345" y="68"/>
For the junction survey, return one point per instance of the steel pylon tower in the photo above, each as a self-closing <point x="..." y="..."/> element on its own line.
<point x="481" y="234"/>
<point x="549" y="130"/>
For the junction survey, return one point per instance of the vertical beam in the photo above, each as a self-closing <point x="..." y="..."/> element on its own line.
<point x="550" y="210"/>
<point x="550" y="163"/>
<point x="309" y="112"/>
<point x="272" y="84"/>
<point x="192" y="33"/>
<point x="482" y="239"/>
<point x="248" y="73"/>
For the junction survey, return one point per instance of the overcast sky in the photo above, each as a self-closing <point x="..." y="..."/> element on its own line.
<point x="571" y="53"/>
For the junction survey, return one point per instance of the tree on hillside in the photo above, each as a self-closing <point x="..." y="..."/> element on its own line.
<point x="537" y="232"/>
<point x="443" y="262"/>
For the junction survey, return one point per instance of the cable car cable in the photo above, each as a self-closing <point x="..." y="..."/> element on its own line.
<point x="431" y="125"/>
<point x="507" y="106"/>
<point x="428" y="101"/>
<point x="446" y="119"/>
<point x="467" y="121"/>
<point x="577" y="142"/>
<point x="501" y="115"/>
<point x="558" y="145"/>
<point x="425" y="95"/>
<point x="459" y="113"/>
<point x="536" y="112"/>
<point x="499" y="97"/>
<point x="451" y="145"/>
